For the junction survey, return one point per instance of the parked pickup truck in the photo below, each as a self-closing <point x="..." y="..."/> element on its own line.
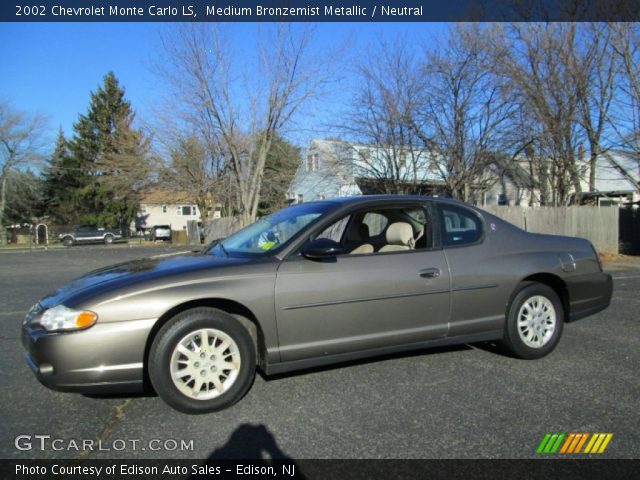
<point x="90" y="234"/>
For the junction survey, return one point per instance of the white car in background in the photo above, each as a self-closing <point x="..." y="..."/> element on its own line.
<point x="161" y="232"/>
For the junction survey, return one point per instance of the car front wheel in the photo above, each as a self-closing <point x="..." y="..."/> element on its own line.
<point x="108" y="239"/>
<point x="67" y="241"/>
<point x="534" y="321"/>
<point x="202" y="360"/>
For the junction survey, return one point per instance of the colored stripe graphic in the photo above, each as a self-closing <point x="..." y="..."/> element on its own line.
<point x="543" y="443"/>
<point x="558" y="442"/>
<point x="576" y="443"/>
<point x="592" y="440"/>
<point x="606" y="442"/>
<point x="580" y="444"/>
<point x="550" y="443"/>
<point x="571" y="440"/>
<point x="572" y="443"/>
<point x="598" y="443"/>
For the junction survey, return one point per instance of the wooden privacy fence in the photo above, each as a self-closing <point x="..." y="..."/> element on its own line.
<point x="222" y="228"/>
<point x="597" y="224"/>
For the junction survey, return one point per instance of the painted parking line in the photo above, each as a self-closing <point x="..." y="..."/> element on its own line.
<point x="8" y="314"/>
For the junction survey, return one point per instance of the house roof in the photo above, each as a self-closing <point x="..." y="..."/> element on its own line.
<point x="163" y="197"/>
<point x="617" y="170"/>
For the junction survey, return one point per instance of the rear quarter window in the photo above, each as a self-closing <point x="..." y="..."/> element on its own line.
<point x="459" y="225"/>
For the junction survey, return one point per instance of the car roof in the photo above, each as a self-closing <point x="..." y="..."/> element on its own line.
<point x="364" y="199"/>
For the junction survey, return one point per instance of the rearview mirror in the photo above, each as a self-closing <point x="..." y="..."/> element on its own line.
<point x="321" y="248"/>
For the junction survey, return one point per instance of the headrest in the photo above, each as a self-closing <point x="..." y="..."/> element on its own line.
<point x="400" y="233"/>
<point x="358" y="232"/>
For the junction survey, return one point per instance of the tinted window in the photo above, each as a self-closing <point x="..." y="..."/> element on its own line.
<point x="459" y="225"/>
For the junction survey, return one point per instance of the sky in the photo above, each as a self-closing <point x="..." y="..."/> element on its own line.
<point x="51" y="68"/>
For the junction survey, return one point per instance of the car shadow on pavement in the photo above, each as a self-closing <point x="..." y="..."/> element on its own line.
<point x="494" y="347"/>
<point x="251" y="442"/>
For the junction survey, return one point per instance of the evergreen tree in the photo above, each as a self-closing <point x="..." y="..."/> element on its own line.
<point x="280" y="167"/>
<point x="112" y="155"/>
<point x="24" y="196"/>
<point x="63" y="178"/>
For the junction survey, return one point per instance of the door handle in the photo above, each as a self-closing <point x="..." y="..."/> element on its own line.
<point x="430" y="273"/>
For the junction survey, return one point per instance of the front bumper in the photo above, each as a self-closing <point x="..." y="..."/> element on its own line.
<point x="106" y="358"/>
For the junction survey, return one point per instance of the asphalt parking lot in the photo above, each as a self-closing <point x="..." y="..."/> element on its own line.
<point x="461" y="402"/>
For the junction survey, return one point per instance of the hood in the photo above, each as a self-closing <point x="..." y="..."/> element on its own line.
<point x="135" y="271"/>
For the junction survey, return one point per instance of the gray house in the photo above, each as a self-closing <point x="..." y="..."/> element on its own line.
<point x="325" y="172"/>
<point x="335" y="168"/>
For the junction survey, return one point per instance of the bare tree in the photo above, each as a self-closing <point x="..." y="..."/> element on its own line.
<point x="625" y="43"/>
<point x="465" y="111"/>
<point x="20" y="144"/>
<point x="198" y="171"/>
<point x="436" y="122"/>
<point x="209" y="79"/>
<point x="593" y="70"/>
<point x="539" y="61"/>
<point x="392" y="157"/>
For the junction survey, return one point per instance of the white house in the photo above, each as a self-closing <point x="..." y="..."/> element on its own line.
<point x="163" y="207"/>
<point x="617" y="180"/>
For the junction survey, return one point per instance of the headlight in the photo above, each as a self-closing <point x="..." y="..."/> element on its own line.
<point x="63" y="318"/>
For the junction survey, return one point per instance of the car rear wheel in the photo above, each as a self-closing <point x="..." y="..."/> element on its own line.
<point x="67" y="241"/>
<point x="108" y="239"/>
<point x="534" y="321"/>
<point x="202" y="360"/>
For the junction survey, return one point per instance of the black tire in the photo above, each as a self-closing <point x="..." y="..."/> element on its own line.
<point x="514" y="339"/>
<point x="163" y="352"/>
<point x="67" y="241"/>
<point x="108" y="239"/>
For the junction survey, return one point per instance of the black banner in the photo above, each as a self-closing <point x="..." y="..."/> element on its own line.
<point x="566" y="469"/>
<point x="317" y="10"/>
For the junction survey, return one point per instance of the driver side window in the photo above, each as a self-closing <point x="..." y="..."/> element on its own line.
<point x="335" y="231"/>
<point x="381" y="230"/>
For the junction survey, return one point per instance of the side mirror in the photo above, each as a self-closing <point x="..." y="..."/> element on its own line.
<point x="321" y="248"/>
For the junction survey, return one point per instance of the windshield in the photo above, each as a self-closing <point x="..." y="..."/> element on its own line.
<point x="270" y="233"/>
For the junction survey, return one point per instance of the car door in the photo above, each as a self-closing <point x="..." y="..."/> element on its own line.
<point x="85" y="233"/>
<point x="359" y="302"/>
<point x="478" y="288"/>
